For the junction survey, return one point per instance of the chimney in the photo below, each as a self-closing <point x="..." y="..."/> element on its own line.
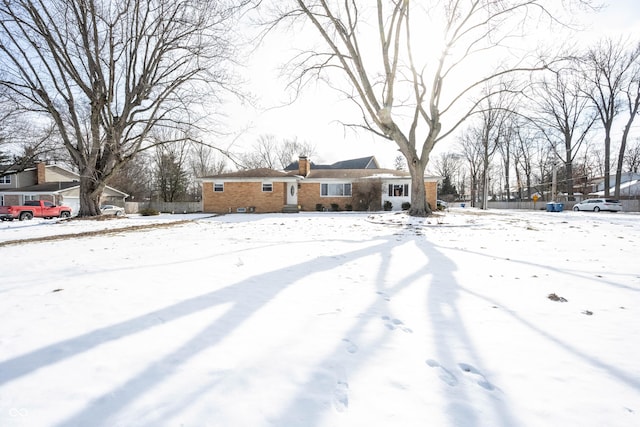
<point x="42" y="173"/>
<point x="304" y="166"/>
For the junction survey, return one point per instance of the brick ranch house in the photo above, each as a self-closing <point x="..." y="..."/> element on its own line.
<point x="358" y="184"/>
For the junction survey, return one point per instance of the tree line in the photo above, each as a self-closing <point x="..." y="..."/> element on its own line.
<point x="132" y="90"/>
<point x="572" y="124"/>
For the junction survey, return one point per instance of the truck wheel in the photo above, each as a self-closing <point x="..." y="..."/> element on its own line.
<point x="26" y="216"/>
<point x="65" y="214"/>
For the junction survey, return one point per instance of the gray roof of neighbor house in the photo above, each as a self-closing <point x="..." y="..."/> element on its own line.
<point x="369" y="162"/>
<point x="47" y="187"/>
<point x="356" y="173"/>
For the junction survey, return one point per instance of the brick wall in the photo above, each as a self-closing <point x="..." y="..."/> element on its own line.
<point x="309" y="196"/>
<point x="431" y="190"/>
<point x="243" y="195"/>
<point x="41" y="169"/>
<point x="11" y="200"/>
<point x="249" y="194"/>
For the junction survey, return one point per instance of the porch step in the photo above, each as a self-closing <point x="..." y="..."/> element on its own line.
<point x="290" y="209"/>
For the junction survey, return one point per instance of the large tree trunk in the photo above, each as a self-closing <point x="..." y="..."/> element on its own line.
<point x="419" y="205"/>
<point x="90" y="194"/>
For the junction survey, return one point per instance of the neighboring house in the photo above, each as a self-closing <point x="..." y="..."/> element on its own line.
<point x="358" y="184"/>
<point x="629" y="186"/>
<point x="52" y="183"/>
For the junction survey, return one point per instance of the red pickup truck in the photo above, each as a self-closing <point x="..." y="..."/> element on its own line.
<point x="34" y="208"/>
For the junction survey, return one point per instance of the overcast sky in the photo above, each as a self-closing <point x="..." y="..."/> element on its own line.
<point x="314" y="116"/>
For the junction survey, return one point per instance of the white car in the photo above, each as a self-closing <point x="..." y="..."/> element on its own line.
<point x="111" y="210"/>
<point x="597" y="205"/>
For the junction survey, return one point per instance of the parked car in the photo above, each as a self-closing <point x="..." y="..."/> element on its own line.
<point x="111" y="210"/>
<point x="597" y="205"/>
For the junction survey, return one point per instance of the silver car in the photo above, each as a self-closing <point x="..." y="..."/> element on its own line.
<point x="111" y="210"/>
<point x="597" y="205"/>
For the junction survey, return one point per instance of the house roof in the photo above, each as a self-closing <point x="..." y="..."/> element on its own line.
<point x="369" y="162"/>
<point x="362" y="168"/>
<point x="48" y="187"/>
<point x="356" y="173"/>
<point x="249" y="173"/>
<point x="52" y="187"/>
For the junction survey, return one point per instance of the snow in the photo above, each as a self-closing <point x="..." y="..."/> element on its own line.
<point x="323" y="319"/>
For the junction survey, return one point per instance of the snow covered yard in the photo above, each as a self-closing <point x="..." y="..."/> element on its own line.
<point x="323" y="319"/>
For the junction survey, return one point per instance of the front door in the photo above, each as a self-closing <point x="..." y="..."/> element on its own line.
<point x="292" y="193"/>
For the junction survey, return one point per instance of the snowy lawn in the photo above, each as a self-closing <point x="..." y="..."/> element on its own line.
<point x="323" y="319"/>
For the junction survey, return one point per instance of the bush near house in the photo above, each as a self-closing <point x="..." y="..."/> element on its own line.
<point x="148" y="212"/>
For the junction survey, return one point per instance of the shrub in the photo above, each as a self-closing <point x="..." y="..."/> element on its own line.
<point x="319" y="207"/>
<point x="348" y="207"/>
<point x="387" y="205"/>
<point x="406" y="206"/>
<point x="335" y="207"/>
<point x="148" y="212"/>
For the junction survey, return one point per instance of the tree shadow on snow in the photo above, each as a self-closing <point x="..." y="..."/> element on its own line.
<point x="243" y="301"/>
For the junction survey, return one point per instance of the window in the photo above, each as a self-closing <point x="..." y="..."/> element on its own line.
<point x="218" y="187"/>
<point x="398" y="190"/>
<point x="5" y="179"/>
<point x="340" y="190"/>
<point x="27" y="197"/>
<point x="267" y="187"/>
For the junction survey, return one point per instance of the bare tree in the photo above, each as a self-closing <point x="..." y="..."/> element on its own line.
<point x="447" y="165"/>
<point x="171" y="178"/>
<point x="135" y="178"/>
<point x="107" y="72"/>
<point x="262" y="154"/>
<point x="607" y="68"/>
<point x="400" y="163"/>
<point x="22" y="143"/>
<point x="403" y="80"/>
<point x="473" y="154"/>
<point x="563" y="117"/>
<point x="292" y="149"/>
<point x="631" y="97"/>
<point x="523" y="158"/>
<point x="491" y="124"/>
<point x="632" y="157"/>
<point x="269" y="152"/>
<point x="205" y="161"/>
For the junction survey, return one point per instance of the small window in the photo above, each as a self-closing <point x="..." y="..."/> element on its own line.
<point x="218" y="187"/>
<point x="267" y="187"/>
<point x="398" y="190"/>
<point x="5" y="179"/>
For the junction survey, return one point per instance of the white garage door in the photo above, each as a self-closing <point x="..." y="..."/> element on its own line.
<point x="73" y="203"/>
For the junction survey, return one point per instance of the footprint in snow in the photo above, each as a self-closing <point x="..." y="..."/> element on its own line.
<point x="383" y="295"/>
<point x="341" y="396"/>
<point x="443" y="373"/>
<point x="393" y="324"/>
<point x="351" y="346"/>
<point x="481" y="379"/>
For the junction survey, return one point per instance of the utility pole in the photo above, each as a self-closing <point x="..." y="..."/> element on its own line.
<point x="554" y="183"/>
